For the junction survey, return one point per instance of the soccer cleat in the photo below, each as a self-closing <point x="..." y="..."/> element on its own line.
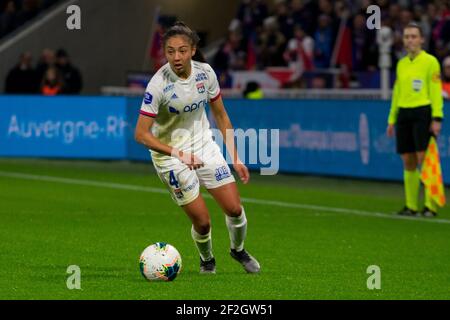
<point x="248" y="262"/>
<point x="428" y="213"/>
<point x="208" y="267"/>
<point x="407" y="212"/>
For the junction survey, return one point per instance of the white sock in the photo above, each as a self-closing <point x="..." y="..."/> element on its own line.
<point x="203" y="243"/>
<point x="237" y="229"/>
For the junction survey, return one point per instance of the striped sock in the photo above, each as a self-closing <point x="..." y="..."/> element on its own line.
<point x="237" y="229"/>
<point x="203" y="243"/>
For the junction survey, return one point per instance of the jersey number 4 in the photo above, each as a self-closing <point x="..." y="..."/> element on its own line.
<point x="173" y="180"/>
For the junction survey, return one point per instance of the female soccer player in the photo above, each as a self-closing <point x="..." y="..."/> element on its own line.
<point x="416" y="114"/>
<point x="173" y="125"/>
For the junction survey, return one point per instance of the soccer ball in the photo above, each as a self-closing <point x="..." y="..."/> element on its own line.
<point x="160" y="261"/>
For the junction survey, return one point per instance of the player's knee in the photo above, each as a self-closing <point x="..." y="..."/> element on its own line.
<point x="203" y="227"/>
<point x="409" y="167"/>
<point x="234" y="210"/>
<point x="420" y="157"/>
<point x="409" y="162"/>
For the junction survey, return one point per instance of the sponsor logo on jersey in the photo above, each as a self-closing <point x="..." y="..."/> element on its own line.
<point x="190" y="187"/>
<point x="201" y="77"/>
<point x="201" y="87"/>
<point x="173" y="110"/>
<point x="174" y="96"/>
<point x="195" y="106"/>
<point x="168" y="88"/>
<point x="222" y="173"/>
<point x="148" y="98"/>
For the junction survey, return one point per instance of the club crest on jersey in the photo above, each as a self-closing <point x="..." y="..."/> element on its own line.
<point x="148" y="98"/>
<point x="201" y="87"/>
<point x="178" y="193"/>
<point x="174" y="96"/>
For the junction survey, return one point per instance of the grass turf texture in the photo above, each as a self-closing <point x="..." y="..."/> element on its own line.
<point x="304" y="253"/>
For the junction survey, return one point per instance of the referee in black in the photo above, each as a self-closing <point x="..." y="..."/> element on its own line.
<point x="416" y="114"/>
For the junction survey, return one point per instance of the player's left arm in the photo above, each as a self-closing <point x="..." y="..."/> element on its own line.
<point x="437" y="101"/>
<point x="223" y="123"/>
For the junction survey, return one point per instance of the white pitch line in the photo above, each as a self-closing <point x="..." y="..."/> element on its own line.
<point x="122" y="186"/>
<point x="81" y="182"/>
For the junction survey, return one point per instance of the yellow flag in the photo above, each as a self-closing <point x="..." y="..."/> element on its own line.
<point x="431" y="174"/>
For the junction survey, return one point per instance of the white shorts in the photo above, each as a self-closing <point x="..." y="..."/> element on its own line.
<point x="184" y="184"/>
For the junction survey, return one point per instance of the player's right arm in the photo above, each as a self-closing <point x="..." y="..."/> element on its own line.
<point x="149" y="111"/>
<point x="144" y="136"/>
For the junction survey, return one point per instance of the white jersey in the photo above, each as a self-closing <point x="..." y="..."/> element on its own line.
<point x="178" y="107"/>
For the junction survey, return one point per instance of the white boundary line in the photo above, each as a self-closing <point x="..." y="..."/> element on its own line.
<point x="120" y="186"/>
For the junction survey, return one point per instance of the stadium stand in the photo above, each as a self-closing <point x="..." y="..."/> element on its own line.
<point x="15" y="13"/>
<point x="293" y="44"/>
<point x="304" y="36"/>
<point x="53" y="74"/>
<point x="321" y="44"/>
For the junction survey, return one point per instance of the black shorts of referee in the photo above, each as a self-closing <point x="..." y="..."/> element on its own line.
<point x="413" y="129"/>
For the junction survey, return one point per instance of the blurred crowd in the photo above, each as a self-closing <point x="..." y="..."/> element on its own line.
<point x="14" y="13"/>
<point x="318" y="41"/>
<point x="308" y="35"/>
<point x="53" y="74"/>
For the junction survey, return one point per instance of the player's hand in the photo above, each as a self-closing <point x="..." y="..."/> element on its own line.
<point x="435" y="127"/>
<point x="390" y="130"/>
<point x="242" y="172"/>
<point x="192" y="161"/>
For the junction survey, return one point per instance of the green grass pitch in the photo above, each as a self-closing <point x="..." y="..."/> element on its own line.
<point x="314" y="237"/>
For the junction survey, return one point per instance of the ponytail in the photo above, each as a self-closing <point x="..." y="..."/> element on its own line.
<point x="199" y="56"/>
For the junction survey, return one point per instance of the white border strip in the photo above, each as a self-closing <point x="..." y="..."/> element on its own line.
<point x="120" y="186"/>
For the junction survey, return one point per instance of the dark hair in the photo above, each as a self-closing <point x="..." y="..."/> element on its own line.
<point x="180" y="28"/>
<point x="414" y="25"/>
<point x="251" y="87"/>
